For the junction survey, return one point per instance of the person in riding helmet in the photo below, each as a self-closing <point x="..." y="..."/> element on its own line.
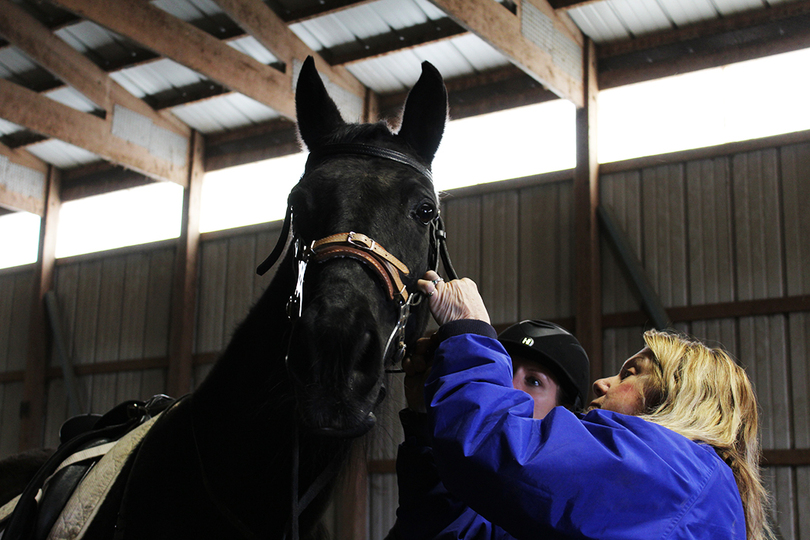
<point x="668" y="448"/>
<point x="548" y="363"/>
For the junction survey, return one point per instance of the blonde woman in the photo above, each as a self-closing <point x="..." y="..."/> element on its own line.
<point x="667" y="450"/>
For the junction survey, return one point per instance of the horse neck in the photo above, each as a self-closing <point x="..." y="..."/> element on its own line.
<point x="247" y="403"/>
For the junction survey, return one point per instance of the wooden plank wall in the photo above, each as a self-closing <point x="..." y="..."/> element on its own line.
<point x="709" y="230"/>
<point x="729" y="229"/>
<point x="16" y="290"/>
<point x="113" y="308"/>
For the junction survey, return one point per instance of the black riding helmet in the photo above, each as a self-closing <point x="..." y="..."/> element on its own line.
<point x="555" y="347"/>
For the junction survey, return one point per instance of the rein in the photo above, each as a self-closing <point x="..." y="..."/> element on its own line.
<point x="359" y="247"/>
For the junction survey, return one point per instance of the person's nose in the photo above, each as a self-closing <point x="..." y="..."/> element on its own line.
<point x="600" y="386"/>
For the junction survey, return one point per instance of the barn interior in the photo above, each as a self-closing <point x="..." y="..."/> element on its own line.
<point x="98" y="97"/>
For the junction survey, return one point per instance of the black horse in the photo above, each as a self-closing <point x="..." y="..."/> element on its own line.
<point x="301" y="377"/>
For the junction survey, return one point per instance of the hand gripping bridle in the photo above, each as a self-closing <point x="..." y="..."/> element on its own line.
<point x="359" y="247"/>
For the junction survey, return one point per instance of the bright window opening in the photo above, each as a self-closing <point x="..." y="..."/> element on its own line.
<point x="509" y="144"/>
<point x="19" y="239"/>
<point x="528" y="140"/>
<point x="248" y="194"/>
<point x="753" y="99"/>
<point x="122" y="218"/>
<point x="748" y="100"/>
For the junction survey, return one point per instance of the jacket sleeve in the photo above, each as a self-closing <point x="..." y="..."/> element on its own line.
<point x="426" y="509"/>
<point x="605" y="475"/>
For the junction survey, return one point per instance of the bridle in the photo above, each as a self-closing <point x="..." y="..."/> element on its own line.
<point x="361" y="248"/>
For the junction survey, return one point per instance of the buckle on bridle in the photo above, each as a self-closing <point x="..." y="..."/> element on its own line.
<point x="303" y="252"/>
<point x="360" y="240"/>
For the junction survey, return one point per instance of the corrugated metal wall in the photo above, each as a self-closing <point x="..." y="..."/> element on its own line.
<point x="724" y="229"/>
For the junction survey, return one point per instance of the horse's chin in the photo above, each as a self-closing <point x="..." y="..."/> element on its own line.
<point x="347" y="431"/>
<point x="345" y="418"/>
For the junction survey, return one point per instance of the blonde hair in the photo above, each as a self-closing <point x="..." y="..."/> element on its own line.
<point x="701" y="393"/>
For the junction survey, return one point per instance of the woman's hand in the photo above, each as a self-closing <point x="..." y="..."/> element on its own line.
<point x="453" y="300"/>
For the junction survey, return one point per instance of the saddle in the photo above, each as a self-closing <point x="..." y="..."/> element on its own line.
<point x="90" y="446"/>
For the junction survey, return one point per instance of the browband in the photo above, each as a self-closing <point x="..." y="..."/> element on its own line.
<point x="330" y="150"/>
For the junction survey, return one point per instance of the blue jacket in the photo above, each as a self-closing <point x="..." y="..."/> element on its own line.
<point x="604" y="475"/>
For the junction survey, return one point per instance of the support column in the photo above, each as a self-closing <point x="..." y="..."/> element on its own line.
<point x="588" y="294"/>
<point x="184" y="290"/>
<point x="32" y="407"/>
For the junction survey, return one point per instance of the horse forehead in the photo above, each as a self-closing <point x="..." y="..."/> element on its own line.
<point x="357" y="186"/>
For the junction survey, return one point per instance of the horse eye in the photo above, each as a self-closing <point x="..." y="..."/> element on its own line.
<point x="426" y="212"/>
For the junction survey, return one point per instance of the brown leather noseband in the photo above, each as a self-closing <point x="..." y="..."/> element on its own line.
<point x="361" y="248"/>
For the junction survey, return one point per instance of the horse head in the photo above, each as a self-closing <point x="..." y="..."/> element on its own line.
<point x="362" y="216"/>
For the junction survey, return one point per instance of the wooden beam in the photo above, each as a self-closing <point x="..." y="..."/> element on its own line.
<point x="268" y="140"/>
<point x="724" y="310"/>
<point x="184" y="288"/>
<point x="151" y="26"/>
<point x="16" y="164"/>
<point x="48" y="117"/>
<point x="99" y="178"/>
<point x="559" y="70"/>
<point x="786" y="458"/>
<point x="588" y="292"/>
<point x="480" y="93"/>
<point x="351" y="507"/>
<point x="272" y="32"/>
<point x="66" y="63"/>
<point x="719" y="42"/>
<point x="32" y="407"/>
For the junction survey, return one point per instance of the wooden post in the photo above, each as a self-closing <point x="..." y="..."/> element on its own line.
<point x="32" y="407"/>
<point x="184" y="290"/>
<point x="588" y="294"/>
<point x="351" y="502"/>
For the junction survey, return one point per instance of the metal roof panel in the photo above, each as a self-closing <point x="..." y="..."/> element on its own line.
<point x="641" y="16"/>
<point x="66" y="95"/>
<point x="223" y="113"/>
<point x="684" y="12"/>
<point x="149" y="79"/>
<point x="61" y="154"/>
<point x="250" y="46"/>
<point x="599" y="22"/>
<point x="731" y="7"/>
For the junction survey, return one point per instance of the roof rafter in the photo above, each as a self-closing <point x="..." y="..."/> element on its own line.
<point x="149" y="25"/>
<point x="557" y="65"/>
<point x="38" y="113"/>
<point x="272" y="32"/>
<point x="66" y="63"/>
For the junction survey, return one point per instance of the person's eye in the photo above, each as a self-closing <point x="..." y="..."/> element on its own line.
<point x="627" y="372"/>
<point x="531" y="381"/>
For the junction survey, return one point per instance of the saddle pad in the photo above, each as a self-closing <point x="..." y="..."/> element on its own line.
<point x="83" y="505"/>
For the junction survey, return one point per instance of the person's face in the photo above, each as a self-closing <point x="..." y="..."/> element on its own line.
<point x="537" y="381"/>
<point x="624" y="392"/>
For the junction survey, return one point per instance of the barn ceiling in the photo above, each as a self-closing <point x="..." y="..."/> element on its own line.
<point x="110" y="92"/>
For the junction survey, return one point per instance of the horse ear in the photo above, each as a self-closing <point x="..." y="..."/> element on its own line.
<point x="425" y="113"/>
<point x="317" y="114"/>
